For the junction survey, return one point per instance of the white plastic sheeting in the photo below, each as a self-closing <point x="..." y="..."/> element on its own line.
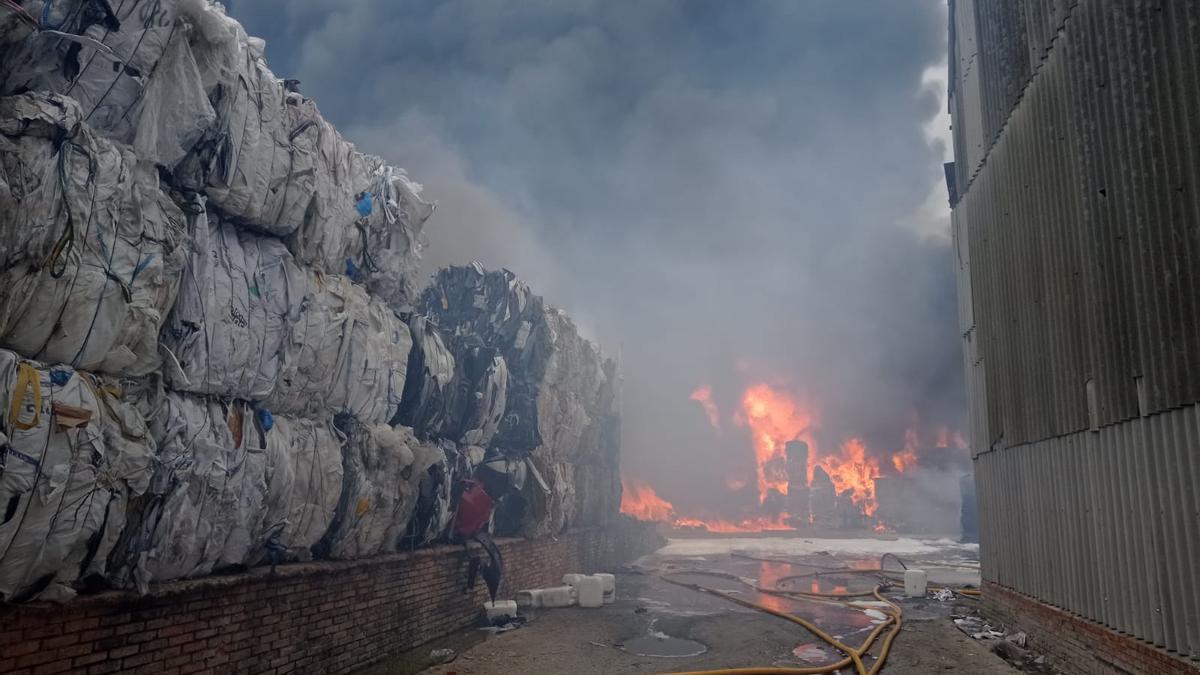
<point x="231" y="485"/>
<point x="260" y="162"/>
<point x="132" y="71"/>
<point x="347" y="352"/>
<point x="383" y="468"/>
<point x="90" y="247"/>
<point x="238" y="300"/>
<point x="73" y="456"/>
<point x="380" y="243"/>
<point x="304" y="484"/>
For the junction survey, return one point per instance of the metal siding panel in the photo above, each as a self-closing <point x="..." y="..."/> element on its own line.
<point x="1078" y="237"/>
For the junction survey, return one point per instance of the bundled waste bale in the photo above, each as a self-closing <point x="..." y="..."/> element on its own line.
<point x="559" y="388"/>
<point x="233" y="485"/>
<point x="91" y="249"/>
<point x="379" y="242"/>
<point x="347" y="352"/>
<point x="481" y="395"/>
<point x="304" y="485"/>
<point x="238" y="300"/>
<point x="72" y="456"/>
<point x="128" y="64"/>
<point x="383" y="468"/>
<point x="472" y="307"/>
<point x="206" y="497"/>
<point x="260" y="161"/>
<point x="425" y="402"/>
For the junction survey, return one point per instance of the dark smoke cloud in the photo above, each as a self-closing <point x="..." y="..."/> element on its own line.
<point x="720" y="191"/>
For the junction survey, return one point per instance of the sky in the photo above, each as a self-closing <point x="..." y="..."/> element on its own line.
<point x="720" y="193"/>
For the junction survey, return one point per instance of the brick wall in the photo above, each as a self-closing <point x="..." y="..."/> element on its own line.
<point x="313" y="617"/>
<point x="1075" y="644"/>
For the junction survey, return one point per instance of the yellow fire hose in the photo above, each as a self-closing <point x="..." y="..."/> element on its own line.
<point x="854" y="655"/>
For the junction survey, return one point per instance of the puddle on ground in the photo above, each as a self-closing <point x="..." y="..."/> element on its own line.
<point x="664" y="646"/>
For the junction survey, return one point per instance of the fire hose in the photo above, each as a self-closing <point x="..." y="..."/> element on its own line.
<point x="853" y="655"/>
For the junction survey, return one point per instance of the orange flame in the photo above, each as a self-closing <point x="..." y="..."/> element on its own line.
<point x="907" y="458"/>
<point x="853" y="470"/>
<point x="775" y="418"/>
<point x="722" y="526"/>
<point x="642" y="502"/>
<point x="703" y="396"/>
<point x="943" y="437"/>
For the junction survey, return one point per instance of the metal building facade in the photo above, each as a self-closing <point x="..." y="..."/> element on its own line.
<point x="1077" y="232"/>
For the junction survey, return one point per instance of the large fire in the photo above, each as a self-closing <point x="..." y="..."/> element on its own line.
<point x="641" y="501"/>
<point x="851" y="469"/>
<point x="775" y="417"/>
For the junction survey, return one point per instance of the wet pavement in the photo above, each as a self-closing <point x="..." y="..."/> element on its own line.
<point x="657" y="626"/>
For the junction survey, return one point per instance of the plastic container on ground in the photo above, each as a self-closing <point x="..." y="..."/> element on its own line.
<point x="558" y="596"/>
<point x="591" y="592"/>
<point x="531" y="598"/>
<point x="610" y="587"/>
<point x="916" y="582"/>
<point x="500" y="609"/>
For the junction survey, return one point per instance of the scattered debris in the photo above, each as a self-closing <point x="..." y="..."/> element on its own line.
<point x="944" y="595"/>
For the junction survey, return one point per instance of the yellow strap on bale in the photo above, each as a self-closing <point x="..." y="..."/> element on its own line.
<point x="27" y="379"/>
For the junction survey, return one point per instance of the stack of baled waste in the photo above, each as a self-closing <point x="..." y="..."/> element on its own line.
<point x="213" y="354"/>
<point x="560" y="409"/>
<point x="200" y="314"/>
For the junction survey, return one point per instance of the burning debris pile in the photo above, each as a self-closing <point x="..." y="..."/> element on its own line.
<point x="213" y="352"/>
<point x="916" y="489"/>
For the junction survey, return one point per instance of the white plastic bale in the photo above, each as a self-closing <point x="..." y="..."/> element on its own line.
<point x="207" y="495"/>
<point x="347" y="352"/>
<point x="304" y="484"/>
<point x="238" y="300"/>
<point x="91" y="248"/>
<point x="383" y="467"/>
<point x="550" y="513"/>
<point x="380" y="245"/>
<point x="259" y="161"/>
<point x="140" y="88"/>
<point x="74" y="456"/>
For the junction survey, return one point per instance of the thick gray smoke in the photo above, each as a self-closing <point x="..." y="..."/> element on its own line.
<point x="723" y="192"/>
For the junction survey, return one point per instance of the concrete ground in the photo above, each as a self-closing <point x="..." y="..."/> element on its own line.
<point x="651" y="616"/>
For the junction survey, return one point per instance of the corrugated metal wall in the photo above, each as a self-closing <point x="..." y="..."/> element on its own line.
<point x="1103" y="524"/>
<point x="1078" y="237"/>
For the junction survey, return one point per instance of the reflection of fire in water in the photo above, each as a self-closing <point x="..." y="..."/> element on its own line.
<point x="769" y="574"/>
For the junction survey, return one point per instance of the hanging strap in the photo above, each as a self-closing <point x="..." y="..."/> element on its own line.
<point x="27" y="378"/>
